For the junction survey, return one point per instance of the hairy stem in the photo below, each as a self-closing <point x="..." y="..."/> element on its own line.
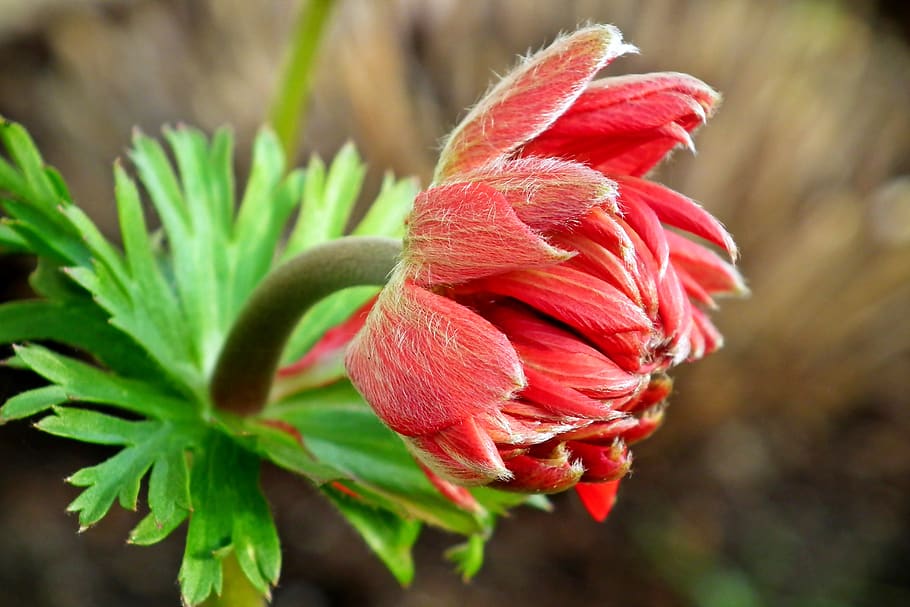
<point x="288" y="106"/>
<point x="252" y="351"/>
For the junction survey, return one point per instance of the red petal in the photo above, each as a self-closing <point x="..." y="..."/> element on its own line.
<point x="580" y="300"/>
<point x="529" y="99"/>
<point x="626" y="125"/>
<point x="560" y="355"/>
<point x="598" y="498"/>
<point x="459" y="496"/>
<point x="463" y="231"/>
<point x="641" y="218"/>
<point x="705" y="267"/>
<point x="425" y="362"/>
<point x="547" y="193"/>
<point x="648" y="423"/>
<point x="679" y="211"/>
<point x="703" y="326"/>
<point x="463" y="453"/>
<point x="542" y="475"/>
<point x="659" y="388"/>
<point x="560" y="399"/>
<point x="602" y="462"/>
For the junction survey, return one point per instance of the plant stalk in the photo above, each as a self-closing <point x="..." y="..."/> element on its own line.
<point x="287" y="112"/>
<point x="252" y="351"/>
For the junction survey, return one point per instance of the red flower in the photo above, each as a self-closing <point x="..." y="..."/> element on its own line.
<point x="523" y="339"/>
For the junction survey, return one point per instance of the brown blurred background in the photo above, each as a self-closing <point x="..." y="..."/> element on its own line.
<point x="782" y="476"/>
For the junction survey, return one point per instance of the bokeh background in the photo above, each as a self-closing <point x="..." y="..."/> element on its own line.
<point x="782" y="476"/>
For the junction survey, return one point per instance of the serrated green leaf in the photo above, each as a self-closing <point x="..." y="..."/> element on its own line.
<point x="386" y="215"/>
<point x="200" y="263"/>
<point x="388" y="535"/>
<point x="47" y="232"/>
<point x="168" y="498"/>
<point x="327" y="205"/>
<point x="284" y="449"/>
<point x="468" y="557"/>
<point x="26" y="404"/>
<point x="150" y="311"/>
<point x="229" y="514"/>
<point x="338" y="427"/>
<point x="11" y="241"/>
<point x="94" y="427"/>
<point x="58" y="184"/>
<point x="86" y="383"/>
<point x="78" y="324"/>
<point x="25" y="154"/>
<point x="118" y="477"/>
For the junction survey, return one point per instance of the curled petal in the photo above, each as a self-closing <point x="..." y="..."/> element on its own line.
<point x="659" y="388"/>
<point x="463" y="452"/>
<point x="560" y="399"/>
<point x="560" y="355"/>
<point x="425" y="362"/>
<point x="703" y="326"/>
<point x="551" y="474"/>
<point x="626" y="125"/>
<point x="583" y="302"/>
<point x="649" y="421"/>
<point x="460" y="232"/>
<point x="712" y="273"/>
<point x="529" y="99"/>
<point x="547" y="193"/>
<point x="602" y="462"/>
<point x="678" y="211"/>
<point x="641" y="218"/>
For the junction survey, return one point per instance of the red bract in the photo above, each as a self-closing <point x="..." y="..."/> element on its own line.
<point x="523" y="340"/>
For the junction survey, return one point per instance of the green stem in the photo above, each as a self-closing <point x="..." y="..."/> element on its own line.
<point x="288" y="107"/>
<point x="251" y="354"/>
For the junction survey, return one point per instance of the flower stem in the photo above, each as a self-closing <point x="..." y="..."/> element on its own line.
<point x="252" y="351"/>
<point x="287" y="111"/>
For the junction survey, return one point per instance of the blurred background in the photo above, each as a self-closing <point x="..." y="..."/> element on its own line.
<point x="782" y="474"/>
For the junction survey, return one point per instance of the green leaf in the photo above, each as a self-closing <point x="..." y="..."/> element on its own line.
<point x="31" y="402"/>
<point x="22" y="149"/>
<point x="74" y="323"/>
<point x="284" y="447"/>
<point x="11" y="241"/>
<point x="168" y="497"/>
<point x="388" y="535"/>
<point x="229" y="514"/>
<point x="338" y="427"/>
<point x="147" y="444"/>
<point x="385" y="217"/>
<point x="468" y="557"/>
<point x="328" y="202"/>
<point x="94" y="427"/>
<point x="86" y="383"/>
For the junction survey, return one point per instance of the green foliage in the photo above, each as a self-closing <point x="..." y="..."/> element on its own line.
<point x="148" y="318"/>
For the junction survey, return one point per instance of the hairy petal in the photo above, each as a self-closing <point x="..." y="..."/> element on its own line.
<point x="529" y="99"/>
<point x="464" y="231"/>
<point x="547" y="193"/>
<point x="425" y="362"/>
